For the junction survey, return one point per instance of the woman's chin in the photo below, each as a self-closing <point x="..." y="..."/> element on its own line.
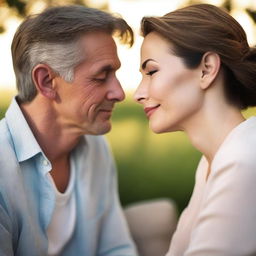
<point x="157" y="128"/>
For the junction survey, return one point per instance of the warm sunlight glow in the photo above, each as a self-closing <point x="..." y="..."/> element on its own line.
<point x="132" y="11"/>
<point x="7" y="79"/>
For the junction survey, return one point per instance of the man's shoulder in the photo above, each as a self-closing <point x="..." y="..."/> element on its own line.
<point x="5" y="137"/>
<point x="9" y="165"/>
<point x="8" y="158"/>
<point x="3" y="128"/>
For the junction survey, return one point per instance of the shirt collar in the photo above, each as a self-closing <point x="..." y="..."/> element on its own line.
<point x="25" y="144"/>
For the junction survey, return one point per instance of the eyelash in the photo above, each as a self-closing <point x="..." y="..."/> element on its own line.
<point x="107" y="73"/>
<point x="150" y="73"/>
<point x="101" y="80"/>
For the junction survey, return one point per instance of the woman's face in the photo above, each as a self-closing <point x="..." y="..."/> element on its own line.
<point x="169" y="91"/>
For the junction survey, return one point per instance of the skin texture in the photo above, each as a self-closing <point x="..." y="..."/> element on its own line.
<point x="62" y="112"/>
<point x="176" y="98"/>
<point x="168" y="84"/>
<point x="86" y="104"/>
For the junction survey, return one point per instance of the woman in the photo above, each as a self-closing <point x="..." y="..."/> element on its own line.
<point x="198" y="73"/>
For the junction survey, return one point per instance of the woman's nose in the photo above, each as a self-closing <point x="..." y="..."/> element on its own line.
<point x="141" y="93"/>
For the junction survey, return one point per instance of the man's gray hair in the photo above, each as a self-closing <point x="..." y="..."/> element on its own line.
<point x="52" y="38"/>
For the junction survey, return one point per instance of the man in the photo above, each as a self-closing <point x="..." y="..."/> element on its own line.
<point x="58" y="191"/>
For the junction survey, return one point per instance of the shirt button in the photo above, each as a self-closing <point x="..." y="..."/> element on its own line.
<point x="45" y="162"/>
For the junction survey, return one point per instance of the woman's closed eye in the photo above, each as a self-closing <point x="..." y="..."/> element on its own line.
<point x="150" y="73"/>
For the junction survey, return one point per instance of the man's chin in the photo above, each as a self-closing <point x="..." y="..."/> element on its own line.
<point x="103" y="129"/>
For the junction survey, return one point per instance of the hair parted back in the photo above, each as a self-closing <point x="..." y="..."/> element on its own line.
<point x="52" y="38"/>
<point x="197" y="29"/>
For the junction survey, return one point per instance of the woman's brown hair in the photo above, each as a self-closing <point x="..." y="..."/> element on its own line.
<point x="200" y="28"/>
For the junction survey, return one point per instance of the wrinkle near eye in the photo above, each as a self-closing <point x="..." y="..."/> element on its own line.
<point x="103" y="75"/>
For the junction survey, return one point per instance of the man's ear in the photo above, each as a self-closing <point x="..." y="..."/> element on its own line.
<point x="43" y="77"/>
<point x="210" y="68"/>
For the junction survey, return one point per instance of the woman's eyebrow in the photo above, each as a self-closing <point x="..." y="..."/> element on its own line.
<point x="144" y="64"/>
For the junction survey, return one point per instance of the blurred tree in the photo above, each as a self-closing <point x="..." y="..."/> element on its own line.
<point x="252" y="14"/>
<point x="22" y="8"/>
<point x="228" y="5"/>
<point x="18" y="5"/>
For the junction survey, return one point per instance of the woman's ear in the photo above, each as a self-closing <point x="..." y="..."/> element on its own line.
<point x="210" y="68"/>
<point x="43" y="78"/>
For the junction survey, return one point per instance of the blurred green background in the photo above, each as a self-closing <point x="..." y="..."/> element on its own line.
<point x="150" y="165"/>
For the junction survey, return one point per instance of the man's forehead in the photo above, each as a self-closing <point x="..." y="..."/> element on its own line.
<point x="99" y="52"/>
<point x="94" y="42"/>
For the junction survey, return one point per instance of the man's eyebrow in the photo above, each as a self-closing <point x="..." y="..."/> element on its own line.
<point x="144" y="64"/>
<point x="103" y="69"/>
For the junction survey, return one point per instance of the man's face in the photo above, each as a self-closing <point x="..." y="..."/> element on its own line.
<point x="86" y="104"/>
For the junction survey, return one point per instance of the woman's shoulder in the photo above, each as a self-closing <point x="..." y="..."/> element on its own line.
<point x="234" y="163"/>
<point x="239" y="146"/>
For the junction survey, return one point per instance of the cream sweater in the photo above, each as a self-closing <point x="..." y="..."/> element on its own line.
<point x="220" y="219"/>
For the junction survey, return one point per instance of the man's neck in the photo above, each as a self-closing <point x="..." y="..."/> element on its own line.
<point x="56" y="141"/>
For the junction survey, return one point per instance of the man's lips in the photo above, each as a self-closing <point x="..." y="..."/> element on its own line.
<point x="106" y="111"/>
<point x="150" y="110"/>
<point x="106" y="108"/>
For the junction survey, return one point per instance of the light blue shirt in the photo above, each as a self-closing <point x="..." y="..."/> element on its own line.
<point x="27" y="197"/>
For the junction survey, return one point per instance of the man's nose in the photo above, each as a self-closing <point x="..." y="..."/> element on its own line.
<point x="116" y="92"/>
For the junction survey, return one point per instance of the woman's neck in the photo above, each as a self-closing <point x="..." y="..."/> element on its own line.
<point x="210" y="128"/>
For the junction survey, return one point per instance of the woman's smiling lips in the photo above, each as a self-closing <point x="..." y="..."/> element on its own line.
<point x="150" y="110"/>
